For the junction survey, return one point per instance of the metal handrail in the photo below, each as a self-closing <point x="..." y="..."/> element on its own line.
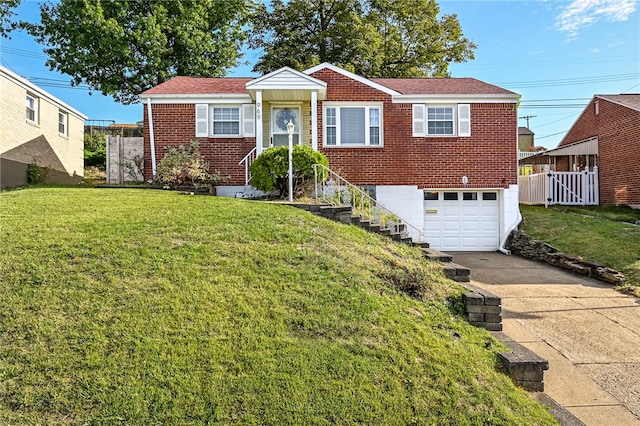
<point x="332" y="188"/>
<point x="247" y="160"/>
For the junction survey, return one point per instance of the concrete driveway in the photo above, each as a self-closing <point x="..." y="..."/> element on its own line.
<point x="589" y="333"/>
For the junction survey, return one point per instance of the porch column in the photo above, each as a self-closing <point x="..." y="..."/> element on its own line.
<point x="258" y="122"/>
<point x="314" y="120"/>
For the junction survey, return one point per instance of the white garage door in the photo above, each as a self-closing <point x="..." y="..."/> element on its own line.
<point x="462" y="220"/>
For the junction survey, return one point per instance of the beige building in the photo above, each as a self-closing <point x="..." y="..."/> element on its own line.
<point x="37" y="128"/>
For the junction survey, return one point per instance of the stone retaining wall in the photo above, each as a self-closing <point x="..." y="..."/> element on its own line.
<point x="521" y="244"/>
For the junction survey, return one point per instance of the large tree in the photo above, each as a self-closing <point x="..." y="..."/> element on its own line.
<point x="374" y="38"/>
<point x="6" y="13"/>
<point x="122" y="48"/>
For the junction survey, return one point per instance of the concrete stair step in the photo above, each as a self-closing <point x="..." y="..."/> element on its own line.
<point x="457" y="273"/>
<point x="436" y="255"/>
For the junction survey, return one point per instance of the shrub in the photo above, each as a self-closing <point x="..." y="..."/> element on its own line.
<point x="95" y="150"/>
<point x="185" y="165"/>
<point x="269" y="171"/>
<point x="36" y="174"/>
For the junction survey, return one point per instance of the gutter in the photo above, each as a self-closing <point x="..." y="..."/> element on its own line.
<point x="152" y="140"/>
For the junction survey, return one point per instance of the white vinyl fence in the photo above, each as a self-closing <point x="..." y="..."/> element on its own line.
<point x="566" y="188"/>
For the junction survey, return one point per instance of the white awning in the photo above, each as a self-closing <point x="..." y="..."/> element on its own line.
<point x="586" y="147"/>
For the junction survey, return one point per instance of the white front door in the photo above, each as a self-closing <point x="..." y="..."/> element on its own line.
<point x="462" y="220"/>
<point x="280" y="117"/>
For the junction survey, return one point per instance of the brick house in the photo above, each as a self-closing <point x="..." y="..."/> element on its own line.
<point x="440" y="153"/>
<point x="36" y="127"/>
<point x="607" y="135"/>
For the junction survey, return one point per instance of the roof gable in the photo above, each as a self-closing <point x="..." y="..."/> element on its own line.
<point x="631" y="100"/>
<point x="352" y="76"/>
<point x="286" y="78"/>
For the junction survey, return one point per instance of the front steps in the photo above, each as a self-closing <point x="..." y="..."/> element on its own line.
<point x="343" y="214"/>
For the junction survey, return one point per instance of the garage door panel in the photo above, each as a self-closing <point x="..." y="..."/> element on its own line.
<point x="470" y="224"/>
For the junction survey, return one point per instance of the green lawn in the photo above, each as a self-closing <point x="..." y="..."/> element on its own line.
<point x="598" y="234"/>
<point x="149" y="307"/>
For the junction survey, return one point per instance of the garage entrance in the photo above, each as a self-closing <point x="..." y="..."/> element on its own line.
<point x="462" y="220"/>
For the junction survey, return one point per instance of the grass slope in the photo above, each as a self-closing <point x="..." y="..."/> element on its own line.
<point x="147" y="307"/>
<point x="598" y="234"/>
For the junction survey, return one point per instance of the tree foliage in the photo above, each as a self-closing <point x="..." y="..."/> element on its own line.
<point x="6" y="13"/>
<point x="270" y="170"/>
<point x="373" y="38"/>
<point x="122" y="48"/>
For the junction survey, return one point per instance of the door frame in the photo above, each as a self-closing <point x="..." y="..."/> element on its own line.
<point x="285" y="105"/>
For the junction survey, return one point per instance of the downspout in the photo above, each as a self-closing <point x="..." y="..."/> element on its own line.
<point x="506" y="237"/>
<point x="152" y="141"/>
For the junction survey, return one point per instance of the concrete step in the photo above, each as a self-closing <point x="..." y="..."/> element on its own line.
<point x="436" y="255"/>
<point x="457" y="273"/>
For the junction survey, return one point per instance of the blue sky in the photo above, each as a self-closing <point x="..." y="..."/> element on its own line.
<point x="556" y="54"/>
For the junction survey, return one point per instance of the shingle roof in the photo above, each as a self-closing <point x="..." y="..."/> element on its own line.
<point x="200" y="85"/>
<point x="406" y="86"/>
<point x="630" y="100"/>
<point x="441" y="86"/>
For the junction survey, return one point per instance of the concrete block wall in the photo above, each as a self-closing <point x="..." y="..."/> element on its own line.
<point x="483" y="309"/>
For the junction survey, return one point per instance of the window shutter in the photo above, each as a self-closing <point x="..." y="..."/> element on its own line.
<point x="464" y="120"/>
<point x="202" y="120"/>
<point x="419" y="120"/>
<point x="248" y="120"/>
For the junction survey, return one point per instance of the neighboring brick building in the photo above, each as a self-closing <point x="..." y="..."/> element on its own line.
<point x="36" y="127"/>
<point x="440" y="153"/>
<point x="607" y="135"/>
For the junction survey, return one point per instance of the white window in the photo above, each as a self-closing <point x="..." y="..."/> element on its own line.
<point x="441" y="120"/>
<point x="353" y="125"/>
<point x="63" y="119"/>
<point x="32" y="108"/>
<point x="226" y="120"/>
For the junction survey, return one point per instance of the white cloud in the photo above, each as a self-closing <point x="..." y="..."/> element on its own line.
<point x="582" y="13"/>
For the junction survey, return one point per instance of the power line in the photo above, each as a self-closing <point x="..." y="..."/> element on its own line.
<point x="571" y="81"/>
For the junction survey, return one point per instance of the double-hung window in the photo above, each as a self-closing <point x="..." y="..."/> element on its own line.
<point x="442" y="120"/>
<point x="63" y="119"/>
<point x="32" y="108"/>
<point x="225" y="120"/>
<point x="353" y="125"/>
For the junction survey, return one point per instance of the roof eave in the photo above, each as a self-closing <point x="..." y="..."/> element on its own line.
<point x="472" y="98"/>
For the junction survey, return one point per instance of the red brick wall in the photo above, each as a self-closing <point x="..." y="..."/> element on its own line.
<point x="618" y="132"/>
<point x="174" y="124"/>
<point x="488" y="158"/>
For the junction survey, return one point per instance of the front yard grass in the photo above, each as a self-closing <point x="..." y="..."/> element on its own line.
<point x="149" y="307"/>
<point x="598" y="234"/>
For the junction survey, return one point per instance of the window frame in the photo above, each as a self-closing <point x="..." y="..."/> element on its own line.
<point x="460" y="121"/>
<point x="427" y="121"/>
<point x="65" y="122"/>
<point x="212" y="133"/>
<point x="368" y="107"/>
<point x="36" y="103"/>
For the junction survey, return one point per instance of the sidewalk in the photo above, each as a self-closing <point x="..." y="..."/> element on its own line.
<point x="589" y="333"/>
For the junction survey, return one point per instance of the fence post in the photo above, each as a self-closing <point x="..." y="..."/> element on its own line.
<point x="596" y="186"/>
<point x="547" y="189"/>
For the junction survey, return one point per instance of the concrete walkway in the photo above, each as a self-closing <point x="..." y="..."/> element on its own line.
<point x="589" y="333"/>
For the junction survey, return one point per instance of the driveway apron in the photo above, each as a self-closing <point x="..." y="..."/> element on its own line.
<point x="589" y="333"/>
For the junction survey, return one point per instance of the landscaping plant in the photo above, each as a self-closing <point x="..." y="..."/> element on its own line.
<point x="269" y="171"/>
<point x="185" y="165"/>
